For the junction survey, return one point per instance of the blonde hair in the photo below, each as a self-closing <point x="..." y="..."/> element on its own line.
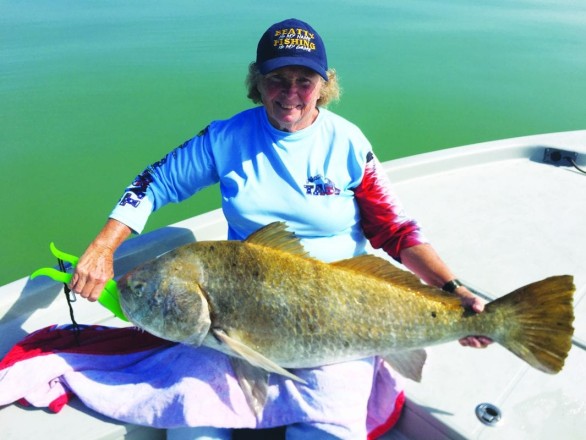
<point x="330" y="90"/>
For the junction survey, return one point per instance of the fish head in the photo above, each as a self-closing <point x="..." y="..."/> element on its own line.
<point x="164" y="298"/>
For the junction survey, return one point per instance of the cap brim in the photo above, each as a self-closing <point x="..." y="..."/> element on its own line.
<point x="277" y="63"/>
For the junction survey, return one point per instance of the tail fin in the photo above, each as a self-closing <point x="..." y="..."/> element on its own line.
<point x="537" y="322"/>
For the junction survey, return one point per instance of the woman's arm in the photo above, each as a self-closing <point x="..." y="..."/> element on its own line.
<point x="177" y="176"/>
<point x="386" y="226"/>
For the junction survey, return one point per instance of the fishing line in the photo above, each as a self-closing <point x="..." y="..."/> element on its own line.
<point x="70" y="299"/>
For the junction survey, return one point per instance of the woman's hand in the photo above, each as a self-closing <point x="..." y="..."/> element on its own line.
<point x="94" y="269"/>
<point x="475" y="303"/>
<point x="96" y="265"/>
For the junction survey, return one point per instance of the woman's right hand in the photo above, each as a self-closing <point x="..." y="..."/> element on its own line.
<point x="96" y="266"/>
<point x="94" y="269"/>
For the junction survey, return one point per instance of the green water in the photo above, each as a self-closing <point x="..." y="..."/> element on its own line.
<point x="92" y="91"/>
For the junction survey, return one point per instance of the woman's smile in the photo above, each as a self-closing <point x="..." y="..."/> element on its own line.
<point x="290" y="97"/>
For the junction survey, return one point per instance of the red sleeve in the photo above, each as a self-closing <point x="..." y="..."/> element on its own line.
<point x="381" y="215"/>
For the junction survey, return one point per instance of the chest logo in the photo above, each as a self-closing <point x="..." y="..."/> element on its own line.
<point x="320" y="186"/>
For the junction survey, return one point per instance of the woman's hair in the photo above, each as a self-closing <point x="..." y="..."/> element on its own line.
<point x="330" y="90"/>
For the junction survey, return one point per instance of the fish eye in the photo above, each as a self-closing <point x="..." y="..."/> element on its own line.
<point x="137" y="287"/>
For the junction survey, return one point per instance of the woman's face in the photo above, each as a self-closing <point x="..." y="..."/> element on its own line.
<point x="290" y="97"/>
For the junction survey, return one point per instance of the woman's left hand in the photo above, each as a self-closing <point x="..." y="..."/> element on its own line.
<point x="472" y="302"/>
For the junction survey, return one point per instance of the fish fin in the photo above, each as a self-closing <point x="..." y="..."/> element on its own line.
<point x="372" y="265"/>
<point x="537" y="322"/>
<point x="378" y="267"/>
<point x="254" y="357"/>
<point x="254" y="383"/>
<point x="408" y="364"/>
<point x="276" y="236"/>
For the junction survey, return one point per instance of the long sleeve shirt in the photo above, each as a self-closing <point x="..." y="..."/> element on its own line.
<point x="323" y="181"/>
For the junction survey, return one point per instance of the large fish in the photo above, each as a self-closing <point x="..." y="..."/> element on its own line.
<point x="271" y="307"/>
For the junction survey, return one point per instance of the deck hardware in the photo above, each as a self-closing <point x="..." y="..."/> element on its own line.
<point x="555" y="156"/>
<point x="488" y="414"/>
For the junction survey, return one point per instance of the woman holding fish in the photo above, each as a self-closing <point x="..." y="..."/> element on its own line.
<point x="288" y="159"/>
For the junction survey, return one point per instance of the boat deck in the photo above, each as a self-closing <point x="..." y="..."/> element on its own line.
<point x="501" y="218"/>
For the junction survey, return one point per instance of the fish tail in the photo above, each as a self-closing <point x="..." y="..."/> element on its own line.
<point x="536" y="322"/>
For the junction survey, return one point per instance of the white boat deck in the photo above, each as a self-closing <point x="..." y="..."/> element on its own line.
<point x="497" y="214"/>
<point x="501" y="218"/>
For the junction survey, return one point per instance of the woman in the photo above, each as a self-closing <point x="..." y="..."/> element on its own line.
<point x="292" y="160"/>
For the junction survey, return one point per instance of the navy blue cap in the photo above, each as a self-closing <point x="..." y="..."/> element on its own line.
<point x="291" y="42"/>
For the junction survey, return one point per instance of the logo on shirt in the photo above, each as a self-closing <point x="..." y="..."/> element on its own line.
<point x="137" y="190"/>
<point x="320" y="186"/>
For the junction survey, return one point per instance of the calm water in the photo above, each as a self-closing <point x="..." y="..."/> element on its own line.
<point x="92" y="91"/>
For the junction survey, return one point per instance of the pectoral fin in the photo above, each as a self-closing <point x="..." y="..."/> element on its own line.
<point x="408" y="363"/>
<point x="254" y="383"/>
<point x="254" y="357"/>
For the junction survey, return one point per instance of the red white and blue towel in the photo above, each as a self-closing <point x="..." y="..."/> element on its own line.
<point x="132" y="376"/>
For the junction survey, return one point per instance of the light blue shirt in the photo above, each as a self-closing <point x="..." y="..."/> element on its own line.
<point x="303" y="178"/>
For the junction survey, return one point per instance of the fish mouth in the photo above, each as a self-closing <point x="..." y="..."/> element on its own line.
<point x="135" y="300"/>
<point x="166" y="307"/>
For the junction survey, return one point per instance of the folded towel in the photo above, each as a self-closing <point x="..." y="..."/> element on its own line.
<point x="132" y="376"/>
